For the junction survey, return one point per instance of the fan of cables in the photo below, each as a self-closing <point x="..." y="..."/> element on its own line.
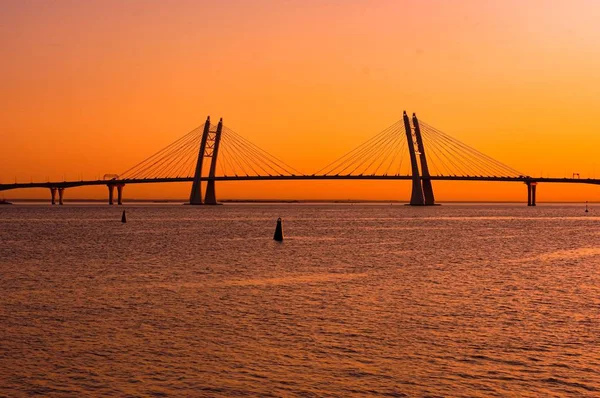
<point x="383" y="154"/>
<point x="175" y="160"/>
<point x="236" y="156"/>
<point x="240" y="157"/>
<point x="447" y="156"/>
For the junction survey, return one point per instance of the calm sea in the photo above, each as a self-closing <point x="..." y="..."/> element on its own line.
<point x="359" y="300"/>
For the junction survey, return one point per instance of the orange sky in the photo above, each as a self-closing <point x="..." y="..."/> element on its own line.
<point x="93" y="87"/>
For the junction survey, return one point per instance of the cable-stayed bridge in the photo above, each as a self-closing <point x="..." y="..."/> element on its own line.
<point x="407" y="150"/>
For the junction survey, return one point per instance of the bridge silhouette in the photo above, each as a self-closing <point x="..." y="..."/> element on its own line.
<point x="407" y="150"/>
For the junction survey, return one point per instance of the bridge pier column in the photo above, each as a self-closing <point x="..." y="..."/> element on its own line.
<point x="61" y="192"/>
<point x="53" y="195"/>
<point x="531" y="193"/>
<point x="111" y="194"/>
<point x="120" y="194"/>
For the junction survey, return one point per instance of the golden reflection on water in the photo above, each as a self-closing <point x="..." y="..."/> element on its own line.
<point x="357" y="301"/>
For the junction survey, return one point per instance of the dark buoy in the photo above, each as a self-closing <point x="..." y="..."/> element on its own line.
<point x="586" y="207"/>
<point x="278" y="231"/>
<point x="123" y="217"/>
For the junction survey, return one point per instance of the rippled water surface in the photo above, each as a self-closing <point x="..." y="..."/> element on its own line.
<point x="359" y="300"/>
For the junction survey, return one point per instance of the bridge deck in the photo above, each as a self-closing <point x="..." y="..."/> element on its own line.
<point x="71" y="184"/>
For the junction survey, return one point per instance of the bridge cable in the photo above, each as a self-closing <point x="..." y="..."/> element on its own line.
<point x="162" y="151"/>
<point x="483" y="159"/>
<point x="147" y="166"/>
<point x="244" y="156"/>
<point x="265" y="155"/>
<point x="392" y="147"/>
<point x="157" y="169"/>
<point x="258" y="158"/>
<point x="381" y="150"/>
<point x="459" y="168"/>
<point x="368" y="148"/>
<point x="361" y="157"/>
<point x="180" y="158"/>
<point x="471" y="165"/>
<point x="234" y="159"/>
<point x="475" y="152"/>
<point x="352" y="153"/>
<point x="357" y="155"/>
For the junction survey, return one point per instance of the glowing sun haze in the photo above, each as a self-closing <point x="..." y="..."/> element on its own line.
<point x="93" y="87"/>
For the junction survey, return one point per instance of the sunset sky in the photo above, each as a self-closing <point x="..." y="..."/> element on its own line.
<point x="93" y="87"/>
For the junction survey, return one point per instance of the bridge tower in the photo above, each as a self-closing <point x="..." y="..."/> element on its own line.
<point x="417" y="198"/>
<point x="427" y="187"/>
<point x="212" y="152"/>
<point x="196" y="193"/>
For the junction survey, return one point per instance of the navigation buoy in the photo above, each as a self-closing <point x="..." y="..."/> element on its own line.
<point x="586" y="207"/>
<point x="278" y="231"/>
<point x="123" y="217"/>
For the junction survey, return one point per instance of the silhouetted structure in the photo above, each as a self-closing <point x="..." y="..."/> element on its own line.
<point x="278" y="236"/>
<point x="432" y="155"/>
<point x="416" y="198"/>
<point x="426" y="180"/>
<point x="531" y="193"/>
<point x="120" y="193"/>
<point x="213" y="142"/>
<point x="196" y="193"/>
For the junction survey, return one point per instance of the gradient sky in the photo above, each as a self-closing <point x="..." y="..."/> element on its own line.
<point x="93" y="87"/>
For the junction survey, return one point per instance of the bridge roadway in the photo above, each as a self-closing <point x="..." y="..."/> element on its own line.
<point x="72" y="184"/>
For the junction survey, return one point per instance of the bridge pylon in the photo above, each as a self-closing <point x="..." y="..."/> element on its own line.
<point x="425" y="179"/>
<point x="417" y="197"/>
<point x="196" y="193"/>
<point x="212" y="146"/>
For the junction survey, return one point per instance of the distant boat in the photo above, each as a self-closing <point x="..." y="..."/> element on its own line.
<point x="586" y="207"/>
<point x="4" y="202"/>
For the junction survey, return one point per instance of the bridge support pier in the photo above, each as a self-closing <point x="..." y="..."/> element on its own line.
<point x="61" y="192"/>
<point x="120" y="194"/>
<point x="111" y="194"/>
<point x="416" y="198"/>
<point x="53" y="195"/>
<point x="531" y="193"/>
